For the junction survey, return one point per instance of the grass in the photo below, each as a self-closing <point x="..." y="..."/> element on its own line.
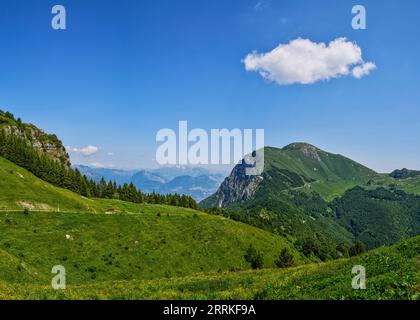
<point x="161" y="242"/>
<point x="392" y="273"/>
<point x="332" y="174"/>
<point x="410" y="185"/>
<point x="20" y="189"/>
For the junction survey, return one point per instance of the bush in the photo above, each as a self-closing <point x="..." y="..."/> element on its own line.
<point x="286" y="259"/>
<point x="26" y="211"/>
<point x="357" y="249"/>
<point x="254" y="257"/>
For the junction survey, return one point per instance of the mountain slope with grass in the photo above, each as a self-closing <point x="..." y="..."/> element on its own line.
<point x="113" y="240"/>
<point x="20" y="189"/>
<point x="298" y="166"/>
<point x="156" y="242"/>
<point x="392" y="273"/>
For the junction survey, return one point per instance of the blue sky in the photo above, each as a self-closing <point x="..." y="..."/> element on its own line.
<point x="125" y="69"/>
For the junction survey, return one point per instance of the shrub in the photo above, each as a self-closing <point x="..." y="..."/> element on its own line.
<point x="286" y="259"/>
<point x="254" y="257"/>
<point x="357" y="249"/>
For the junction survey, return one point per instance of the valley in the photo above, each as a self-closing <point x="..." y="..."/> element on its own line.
<point x="296" y="229"/>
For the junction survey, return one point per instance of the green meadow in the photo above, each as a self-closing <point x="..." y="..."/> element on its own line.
<point x="392" y="273"/>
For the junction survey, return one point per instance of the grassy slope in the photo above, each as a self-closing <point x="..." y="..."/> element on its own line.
<point x="161" y="242"/>
<point x="410" y="185"/>
<point x="333" y="174"/>
<point x="19" y="188"/>
<point x="131" y="241"/>
<point x="392" y="273"/>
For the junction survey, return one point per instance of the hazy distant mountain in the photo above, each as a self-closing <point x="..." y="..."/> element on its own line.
<point x="117" y="175"/>
<point x="148" y="181"/>
<point x="194" y="181"/>
<point x="198" y="187"/>
<point x="170" y="173"/>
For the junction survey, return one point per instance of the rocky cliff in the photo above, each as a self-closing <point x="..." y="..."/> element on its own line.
<point x="47" y="143"/>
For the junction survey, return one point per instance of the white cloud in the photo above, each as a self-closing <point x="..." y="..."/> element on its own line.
<point x="363" y="70"/>
<point x="306" y="62"/>
<point x="86" y="151"/>
<point x="261" y="5"/>
<point x="97" y="165"/>
<point x="110" y="154"/>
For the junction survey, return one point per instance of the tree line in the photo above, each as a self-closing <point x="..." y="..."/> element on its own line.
<point x="18" y="151"/>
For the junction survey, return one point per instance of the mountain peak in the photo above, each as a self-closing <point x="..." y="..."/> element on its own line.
<point x="300" y="146"/>
<point x="306" y="148"/>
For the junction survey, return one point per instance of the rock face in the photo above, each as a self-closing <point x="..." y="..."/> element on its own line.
<point x="237" y="187"/>
<point x="37" y="138"/>
<point x="307" y="149"/>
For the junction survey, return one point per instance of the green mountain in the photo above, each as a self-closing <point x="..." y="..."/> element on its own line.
<point x="320" y="200"/>
<point x="298" y="166"/>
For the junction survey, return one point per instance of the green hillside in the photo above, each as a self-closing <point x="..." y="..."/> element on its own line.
<point x="113" y="240"/>
<point x="378" y="217"/>
<point x="392" y="273"/>
<point x="410" y="185"/>
<point x="322" y="172"/>
<point x="20" y="189"/>
<point x="159" y="242"/>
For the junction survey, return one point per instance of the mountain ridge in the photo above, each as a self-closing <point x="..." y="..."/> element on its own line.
<point x="196" y="182"/>
<point x="297" y="165"/>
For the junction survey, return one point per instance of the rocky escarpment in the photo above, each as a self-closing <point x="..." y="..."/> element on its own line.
<point x="237" y="187"/>
<point x="37" y="138"/>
